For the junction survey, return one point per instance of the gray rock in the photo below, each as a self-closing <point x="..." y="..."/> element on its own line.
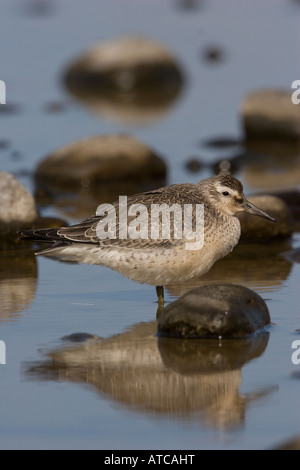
<point x="257" y="228"/>
<point x="100" y="159"/>
<point x="17" y="208"/>
<point x="214" y="311"/>
<point x="270" y="113"/>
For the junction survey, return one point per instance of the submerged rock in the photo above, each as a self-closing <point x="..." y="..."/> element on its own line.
<point x="270" y="113"/>
<point x="99" y="159"/>
<point x="17" y="208"/>
<point x="257" y="228"/>
<point x="214" y="311"/>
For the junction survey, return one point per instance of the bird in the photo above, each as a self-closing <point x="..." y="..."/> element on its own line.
<point x="147" y="256"/>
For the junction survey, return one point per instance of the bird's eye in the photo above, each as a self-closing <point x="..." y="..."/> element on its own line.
<point x="225" y="193"/>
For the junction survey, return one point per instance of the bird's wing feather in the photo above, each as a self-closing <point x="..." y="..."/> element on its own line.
<point x="89" y="231"/>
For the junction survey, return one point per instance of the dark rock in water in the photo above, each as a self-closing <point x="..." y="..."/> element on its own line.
<point x="133" y="74"/>
<point x="270" y="113"/>
<point x="222" y="142"/>
<point x="213" y="54"/>
<point x="194" y="165"/>
<point x="4" y="144"/>
<point x="292" y="200"/>
<point x="125" y="64"/>
<point x="258" y="228"/>
<point x="17" y="209"/>
<point x="79" y="337"/>
<point x="214" y="311"/>
<point x="100" y="159"/>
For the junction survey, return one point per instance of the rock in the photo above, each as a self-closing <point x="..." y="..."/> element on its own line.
<point x="132" y="79"/>
<point x="214" y="311"/>
<point x="292" y="200"/>
<point x="213" y="54"/>
<point x="270" y="113"/>
<point x="257" y="228"/>
<point x="17" y="208"/>
<point x="123" y="65"/>
<point x="100" y="159"/>
<point x="194" y="164"/>
<point x="80" y="337"/>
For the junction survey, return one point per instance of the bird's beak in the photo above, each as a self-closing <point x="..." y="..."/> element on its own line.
<point x="252" y="209"/>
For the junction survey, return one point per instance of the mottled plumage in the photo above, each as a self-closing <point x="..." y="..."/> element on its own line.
<point x="163" y="261"/>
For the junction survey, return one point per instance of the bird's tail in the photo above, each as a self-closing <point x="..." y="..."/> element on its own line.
<point x="46" y="235"/>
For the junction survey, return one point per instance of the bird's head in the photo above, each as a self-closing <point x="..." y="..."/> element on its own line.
<point x="227" y="196"/>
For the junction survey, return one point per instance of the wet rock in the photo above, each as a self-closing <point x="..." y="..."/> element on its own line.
<point x="214" y="311"/>
<point x="100" y="159"/>
<point x="80" y="337"/>
<point x="222" y="142"/>
<point x="194" y="165"/>
<point x="292" y="200"/>
<point x="270" y="113"/>
<point x="127" y="67"/>
<point x="17" y="208"/>
<point x="257" y="228"/>
<point x="131" y="79"/>
<point x="4" y="144"/>
<point x="213" y="54"/>
<point x="125" y="64"/>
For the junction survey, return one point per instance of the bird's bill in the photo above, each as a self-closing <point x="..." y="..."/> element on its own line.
<point x="252" y="209"/>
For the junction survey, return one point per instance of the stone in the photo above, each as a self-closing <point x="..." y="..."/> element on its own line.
<point x="17" y="208"/>
<point x="214" y="311"/>
<point x="100" y="159"/>
<point x="270" y="113"/>
<point x="132" y="80"/>
<point x="257" y="228"/>
<point x="123" y="65"/>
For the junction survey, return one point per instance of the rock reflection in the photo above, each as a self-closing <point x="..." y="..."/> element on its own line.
<point x="128" y="109"/>
<point x="278" y="167"/>
<point x="190" y="380"/>
<point x="258" y="266"/>
<point x="18" y="279"/>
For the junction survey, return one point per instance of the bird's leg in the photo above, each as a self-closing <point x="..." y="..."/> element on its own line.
<point x="161" y="300"/>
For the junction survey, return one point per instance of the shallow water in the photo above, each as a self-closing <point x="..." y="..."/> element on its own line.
<point x="132" y="390"/>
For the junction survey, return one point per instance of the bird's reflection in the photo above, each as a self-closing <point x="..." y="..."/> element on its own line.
<point x="259" y="266"/>
<point x="181" y="379"/>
